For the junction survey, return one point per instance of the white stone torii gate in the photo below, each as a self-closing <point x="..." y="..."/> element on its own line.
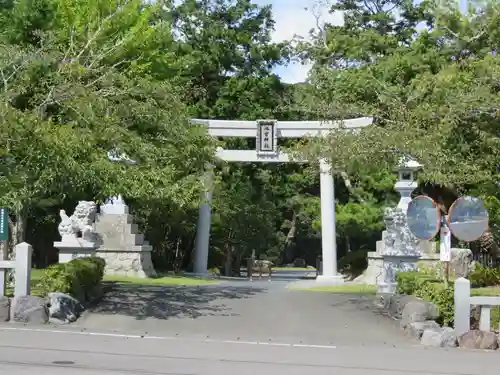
<point x="268" y="132"/>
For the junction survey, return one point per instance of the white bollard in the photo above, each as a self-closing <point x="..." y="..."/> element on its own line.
<point x="462" y="306"/>
<point x="23" y="253"/>
<point x="3" y="279"/>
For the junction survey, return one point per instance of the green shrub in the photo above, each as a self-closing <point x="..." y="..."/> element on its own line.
<point x="409" y="282"/>
<point x="440" y="296"/>
<point x="79" y="277"/>
<point x="429" y="288"/>
<point x="484" y="276"/>
<point x="354" y="262"/>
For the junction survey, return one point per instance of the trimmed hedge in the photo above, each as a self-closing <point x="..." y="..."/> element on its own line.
<point x="79" y="277"/>
<point x="431" y="289"/>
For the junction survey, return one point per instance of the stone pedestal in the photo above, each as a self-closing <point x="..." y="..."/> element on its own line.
<point x="391" y="265"/>
<point x="374" y="272"/>
<point x="76" y="248"/>
<point x="120" y="245"/>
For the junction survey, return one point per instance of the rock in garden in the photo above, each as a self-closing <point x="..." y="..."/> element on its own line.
<point x="395" y="304"/>
<point x="63" y="308"/>
<point x="4" y="309"/>
<point x="478" y="340"/>
<point x="418" y="311"/>
<point x="416" y="329"/>
<point x="30" y="309"/>
<point x="442" y="338"/>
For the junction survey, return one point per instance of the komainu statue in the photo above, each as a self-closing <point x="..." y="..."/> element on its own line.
<point x="80" y="224"/>
<point x="398" y="238"/>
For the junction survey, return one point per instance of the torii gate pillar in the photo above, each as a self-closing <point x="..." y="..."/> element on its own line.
<point x="330" y="274"/>
<point x="202" y="241"/>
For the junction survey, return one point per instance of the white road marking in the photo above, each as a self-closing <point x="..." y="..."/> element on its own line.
<point x="146" y="337"/>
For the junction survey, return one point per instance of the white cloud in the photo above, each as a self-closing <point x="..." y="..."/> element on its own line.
<point x="296" y="17"/>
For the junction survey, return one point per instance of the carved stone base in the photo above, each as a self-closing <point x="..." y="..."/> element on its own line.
<point x="392" y="264"/>
<point x="128" y="263"/>
<point x="373" y="273"/>
<point x="77" y="248"/>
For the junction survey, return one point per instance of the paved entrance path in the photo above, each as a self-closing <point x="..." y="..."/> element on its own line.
<point x="260" y="312"/>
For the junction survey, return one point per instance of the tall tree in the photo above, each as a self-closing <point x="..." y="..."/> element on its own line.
<point x="73" y="96"/>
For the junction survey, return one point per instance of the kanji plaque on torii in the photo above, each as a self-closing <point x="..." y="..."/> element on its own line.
<point x="267" y="142"/>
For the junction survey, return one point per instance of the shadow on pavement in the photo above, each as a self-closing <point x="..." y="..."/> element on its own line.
<point x="352" y="303"/>
<point x="167" y="302"/>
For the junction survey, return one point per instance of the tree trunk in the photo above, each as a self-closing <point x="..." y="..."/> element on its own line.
<point x="290" y="239"/>
<point x="4" y="250"/>
<point x="348" y="185"/>
<point x="18" y="227"/>
<point x="177" y="256"/>
<point x="229" y="260"/>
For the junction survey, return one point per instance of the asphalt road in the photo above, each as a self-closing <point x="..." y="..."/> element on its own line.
<point x="81" y="353"/>
<point x="242" y="310"/>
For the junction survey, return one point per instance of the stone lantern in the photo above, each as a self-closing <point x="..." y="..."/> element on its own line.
<point x="407" y="181"/>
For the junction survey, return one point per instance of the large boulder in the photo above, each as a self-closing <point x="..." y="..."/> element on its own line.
<point x="439" y="338"/>
<point x="476" y="339"/>
<point x="30" y="309"/>
<point x="418" y="311"/>
<point x="4" y="309"/>
<point x="63" y="308"/>
<point x="417" y="329"/>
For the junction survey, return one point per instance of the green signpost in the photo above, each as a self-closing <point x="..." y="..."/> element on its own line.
<point x="4" y="224"/>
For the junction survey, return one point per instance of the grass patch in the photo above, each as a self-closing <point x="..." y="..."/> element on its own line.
<point x="486" y="291"/>
<point x="36" y="275"/>
<point x="346" y="288"/>
<point x="162" y="280"/>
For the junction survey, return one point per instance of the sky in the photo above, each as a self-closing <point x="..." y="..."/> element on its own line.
<point x="292" y="18"/>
